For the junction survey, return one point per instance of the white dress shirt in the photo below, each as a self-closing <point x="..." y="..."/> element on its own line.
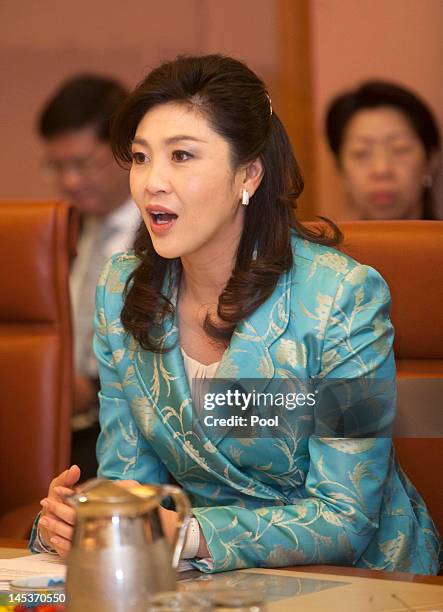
<point x="100" y="238"/>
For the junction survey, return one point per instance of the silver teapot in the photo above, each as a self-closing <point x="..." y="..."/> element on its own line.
<point x="120" y="555"/>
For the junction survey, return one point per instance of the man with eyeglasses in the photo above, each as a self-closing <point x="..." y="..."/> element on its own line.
<point x="75" y="128"/>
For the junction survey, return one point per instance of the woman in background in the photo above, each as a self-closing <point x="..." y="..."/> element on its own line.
<point x="386" y="144"/>
<point x="224" y="281"/>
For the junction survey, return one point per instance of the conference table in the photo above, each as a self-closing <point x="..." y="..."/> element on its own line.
<point x="318" y="588"/>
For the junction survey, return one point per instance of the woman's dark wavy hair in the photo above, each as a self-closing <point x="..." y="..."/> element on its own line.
<point x="374" y="94"/>
<point x="236" y="104"/>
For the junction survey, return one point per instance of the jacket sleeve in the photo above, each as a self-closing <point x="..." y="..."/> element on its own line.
<point x="344" y="486"/>
<point x="122" y="450"/>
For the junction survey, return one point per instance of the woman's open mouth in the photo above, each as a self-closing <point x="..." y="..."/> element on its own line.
<point x="161" y="221"/>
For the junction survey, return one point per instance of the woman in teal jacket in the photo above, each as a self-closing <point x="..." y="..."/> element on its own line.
<point x="220" y="287"/>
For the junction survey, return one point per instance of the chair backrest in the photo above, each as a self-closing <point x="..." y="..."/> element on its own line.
<point x="409" y="256"/>
<point x="36" y="377"/>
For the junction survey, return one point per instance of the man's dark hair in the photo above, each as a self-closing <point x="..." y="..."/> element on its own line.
<point x="81" y="101"/>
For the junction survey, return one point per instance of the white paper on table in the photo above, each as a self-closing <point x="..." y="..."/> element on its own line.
<point x="42" y="564"/>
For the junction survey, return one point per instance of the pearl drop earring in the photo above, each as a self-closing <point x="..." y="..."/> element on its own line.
<point x="245" y="198"/>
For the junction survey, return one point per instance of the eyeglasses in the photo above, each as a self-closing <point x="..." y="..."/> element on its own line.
<point x="82" y="166"/>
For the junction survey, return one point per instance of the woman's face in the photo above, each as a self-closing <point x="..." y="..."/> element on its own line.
<point x="184" y="185"/>
<point x="384" y="165"/>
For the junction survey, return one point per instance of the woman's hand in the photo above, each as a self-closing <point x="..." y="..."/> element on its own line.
<point x="57" y="519"/>
<point x="56" y="524"/>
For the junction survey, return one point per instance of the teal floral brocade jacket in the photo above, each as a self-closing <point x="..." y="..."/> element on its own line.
<point x="269" y="502"/>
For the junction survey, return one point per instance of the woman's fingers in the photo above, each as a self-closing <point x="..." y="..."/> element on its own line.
<point x="56" y="528"/>
<point x="59" y="509"/>
<point x="68" y="478"/>
<point x="61" y="546"/>
<point x="57" y="519"/>
<point x="72" y="476"/>
<point x="49" y="526"/>
<point x="62" y="492"/>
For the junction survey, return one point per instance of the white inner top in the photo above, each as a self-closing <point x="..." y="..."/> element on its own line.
<point x="195" y="369"/>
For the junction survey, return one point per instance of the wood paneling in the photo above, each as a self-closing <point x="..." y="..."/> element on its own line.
<point x="294" y="92"/>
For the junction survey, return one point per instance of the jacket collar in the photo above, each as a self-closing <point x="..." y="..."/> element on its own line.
<point x="247" y="356"/>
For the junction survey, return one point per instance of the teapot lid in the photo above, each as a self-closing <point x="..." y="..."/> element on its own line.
<point x="101" y="497"/>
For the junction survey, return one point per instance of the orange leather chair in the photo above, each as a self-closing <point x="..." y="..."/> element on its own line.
<point x="409" y="255"/>
<point x="36" y="378"/>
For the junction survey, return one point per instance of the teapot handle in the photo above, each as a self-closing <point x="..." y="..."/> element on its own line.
<point x="183" y="509"/>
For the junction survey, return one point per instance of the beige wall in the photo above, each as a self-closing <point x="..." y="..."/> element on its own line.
<point x="358" y="39"/>
<point x="43" y="42"/>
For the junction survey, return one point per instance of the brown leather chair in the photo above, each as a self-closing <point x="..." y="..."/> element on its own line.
<point x="36" y="378"/>
<point x="409" y="255"/>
